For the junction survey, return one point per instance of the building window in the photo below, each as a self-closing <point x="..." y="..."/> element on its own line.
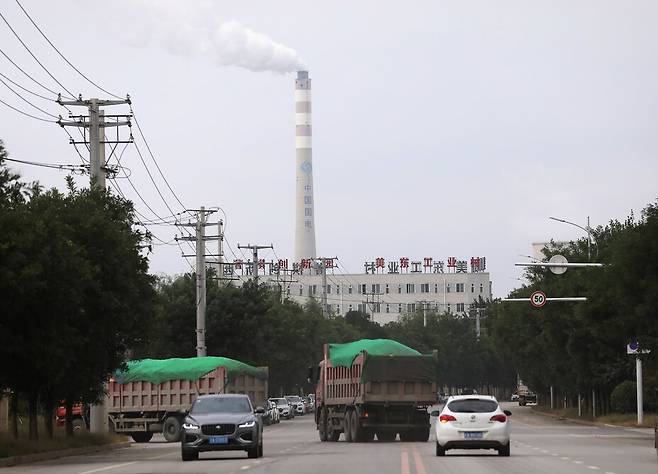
<point x="361" y="308"/>
<point x="399" y="307"/>
<point x="460" y="307"/>
<point x="315" y="289"/>
<point x="459" y="287"/>
<point x="424" y="287"/>
<point x="350" y="307"/>
<point x="411" y="288"/>
<point x="375" y="288"/>
<point x="388" y="308"/>
<point x="400" y="288"/>
<point x="472" y="287"/>
<point x="338" y="309"/>
<point x="448" y="288"/>
<point x="448" y="308"/>
<point x="376" y="308"/>
<point x="436" y="287"/>
<point x="349" y="291"/>
<point x="301" y="290"/>
<point x="338" y="289"/>
<point x="363" y="289"/>
<point x="387" y="290"/>
<point x="481" y="288"/>
<point x="411" y="307"/>
<point x="328" y="289"/>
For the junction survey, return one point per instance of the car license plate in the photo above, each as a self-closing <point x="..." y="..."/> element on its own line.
<point x="218" y="440"/>
<point x="473" y="434"/>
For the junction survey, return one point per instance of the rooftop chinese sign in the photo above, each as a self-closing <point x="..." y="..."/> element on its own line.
<point x="426" y="265"/>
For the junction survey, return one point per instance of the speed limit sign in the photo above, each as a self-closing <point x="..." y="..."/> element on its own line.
<point x="538" y="299"/>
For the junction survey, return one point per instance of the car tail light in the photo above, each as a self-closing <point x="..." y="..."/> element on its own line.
<point x="501" y="418"/>
<point x="447" y="418"/>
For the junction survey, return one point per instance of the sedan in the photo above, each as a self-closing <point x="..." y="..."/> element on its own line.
<point x="285" y="410"/>
<point x="472" y="422"/>
<point x="222" y="423"/>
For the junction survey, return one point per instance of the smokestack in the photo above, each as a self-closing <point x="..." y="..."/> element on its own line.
<point x="304" y="204"/>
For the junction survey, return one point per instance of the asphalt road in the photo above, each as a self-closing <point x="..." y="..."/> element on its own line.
<point x="539" y="445"/>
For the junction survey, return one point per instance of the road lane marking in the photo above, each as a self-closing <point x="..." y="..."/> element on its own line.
<point x="565" y="458"/>
<point x="577" y="462"/>
<point x="420" y="467"/>
<point x="162" y="455"/>
<point x="404" y="459"/>
<point x="544" y="451"/>
<point x="596" y="468"/>
<point x="106" y="468"/>
<point x="244" y="468"/>
<point x="554" y="454"/>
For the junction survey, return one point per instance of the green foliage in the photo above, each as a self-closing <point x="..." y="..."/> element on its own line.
<point x="624" y="397"/>
<point x="75" y="287"/>
<point x="577" y="347"/>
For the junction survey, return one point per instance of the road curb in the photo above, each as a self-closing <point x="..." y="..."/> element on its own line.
<point x="586" y="422"/>
<point x="61" y="453"/>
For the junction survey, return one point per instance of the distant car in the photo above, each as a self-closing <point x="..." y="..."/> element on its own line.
<point x="285" y="410"/>
<point x="515" y="397"/>
<point x="297" y="403"/>
<point x="472" y="422"/>
<point x="225" y="422"/>
<point x="529" y="398"/>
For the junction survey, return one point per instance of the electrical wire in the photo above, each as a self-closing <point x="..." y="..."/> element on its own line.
<point x="28" y="90"/>
<point x="58" y="166"/>
<point x="34" y="57"/>
<point x="25" y="113"/>
<point x="153" y="180"/>
<point x="26" y="74"/>
<point x="27" y="101"/>
<point x="61" y="55"/>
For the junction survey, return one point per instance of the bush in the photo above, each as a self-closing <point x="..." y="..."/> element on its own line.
<point x="624" y="397"/>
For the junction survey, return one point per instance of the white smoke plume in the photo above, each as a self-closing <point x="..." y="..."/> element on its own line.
<point x="191" y="29"/>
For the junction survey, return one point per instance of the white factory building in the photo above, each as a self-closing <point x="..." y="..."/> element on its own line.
<point x="386" y="290"/>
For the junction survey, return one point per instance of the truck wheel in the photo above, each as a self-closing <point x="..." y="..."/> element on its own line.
<point x="422" y="435"/>
<point x="386" y="436"/>
<point x="348" y="426"/>
<point x="322" y="425"/>
<point x="356" y="431"/>
<point x="172" y="429"/>
<point x="368" y="435"/>
<point x="141" y="436"/>
<point x="407" y="436"/>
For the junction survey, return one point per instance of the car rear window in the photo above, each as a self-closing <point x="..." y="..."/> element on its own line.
<point x="472" y="405"/>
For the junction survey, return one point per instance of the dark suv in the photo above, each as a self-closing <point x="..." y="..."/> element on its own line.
<point x="222" y="423"/>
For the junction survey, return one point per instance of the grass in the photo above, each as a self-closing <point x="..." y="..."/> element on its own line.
<point x="10" y="446"/>
<point x="621" y="419"/>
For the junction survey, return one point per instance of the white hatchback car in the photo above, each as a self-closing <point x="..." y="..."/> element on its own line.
<point x="472" y="422"/>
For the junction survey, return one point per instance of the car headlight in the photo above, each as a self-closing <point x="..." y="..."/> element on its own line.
<point x="190" y="426"/>
<point x="248" y="424"/>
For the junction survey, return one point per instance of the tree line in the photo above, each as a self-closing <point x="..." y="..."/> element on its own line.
<point x="580" y="348"/>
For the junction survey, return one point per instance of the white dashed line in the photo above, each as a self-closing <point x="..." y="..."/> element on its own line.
<point x="595" y="468"/>
<point x="544" y="451"/>
<point x="244" y="468"/>
<point x="577" y="462"/>
<point x="554" y="454"/>
<point x="609" y="472"/>
<point x="565" y="458"/>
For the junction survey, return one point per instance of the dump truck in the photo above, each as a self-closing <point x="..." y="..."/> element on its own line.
<point x="374" y="387"/>
<point x="153" y="395"/>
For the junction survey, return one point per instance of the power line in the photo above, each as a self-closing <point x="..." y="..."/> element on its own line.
<point x="34" y="57"/>
<point x="61" y="55"/>
<point x="26" y="74"/>
<point x="25" y="113"/>
<point x="152" y="180"/>
<point x="59" y="166"/>
<point x="27" y="101"/>
<point x="27" y="90"/>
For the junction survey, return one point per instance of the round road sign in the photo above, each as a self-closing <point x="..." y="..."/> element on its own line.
<point x="538" y="299"/>
<point x="558" y="259"/>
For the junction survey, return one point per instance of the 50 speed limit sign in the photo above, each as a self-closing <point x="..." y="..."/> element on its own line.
<point x="538" y="299"/>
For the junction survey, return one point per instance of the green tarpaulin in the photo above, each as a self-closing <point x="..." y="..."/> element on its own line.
<point x="192" y="368"/>
<point x="344" y="354"/>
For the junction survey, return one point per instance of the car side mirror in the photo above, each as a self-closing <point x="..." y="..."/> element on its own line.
<point x="260" y="410"/>
<point x="434" y="413"/>
<point x="507" y="412"/>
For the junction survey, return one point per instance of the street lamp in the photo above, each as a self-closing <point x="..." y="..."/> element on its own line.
<point x="587" y="229"/>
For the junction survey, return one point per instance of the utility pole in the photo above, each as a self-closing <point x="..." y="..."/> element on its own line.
<point x="200" y="253"/>
<point x="254" y="249"/>
<point x="96" y="123"/>
<point x="638" y="381"/>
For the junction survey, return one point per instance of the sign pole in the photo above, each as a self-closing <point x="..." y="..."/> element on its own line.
<point x="638" y="377"/>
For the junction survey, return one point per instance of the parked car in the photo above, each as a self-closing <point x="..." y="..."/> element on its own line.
<point x="311" y="403"/>
<point x="472" y="422"/>
<point x="285" y="410"/>
<point x="297" y="403"/>
<point x="515" y="397"/>
<point x="226" y="422"/>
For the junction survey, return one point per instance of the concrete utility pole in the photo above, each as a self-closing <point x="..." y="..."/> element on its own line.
<point x="254" y="249"/>
<point x="96" y="123"/>
<point x="200" y="253"/>
<point x="638" y="380"/>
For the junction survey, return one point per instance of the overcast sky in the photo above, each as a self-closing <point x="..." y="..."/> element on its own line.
<point x="440" y="128"/>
